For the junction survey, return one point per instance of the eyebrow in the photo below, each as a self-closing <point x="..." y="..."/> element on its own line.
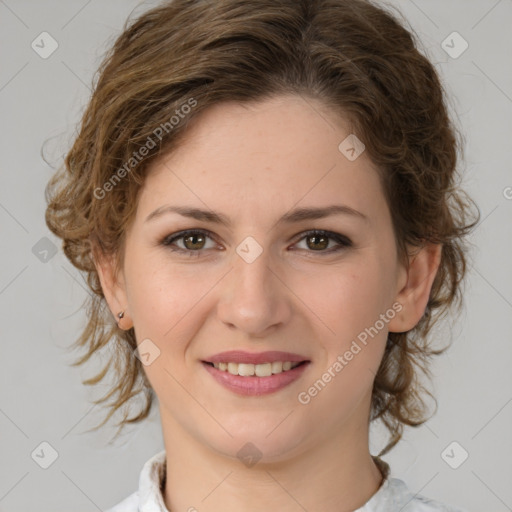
<point x="297" y="215"/>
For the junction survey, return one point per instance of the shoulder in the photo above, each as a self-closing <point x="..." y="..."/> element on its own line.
<point x="148" y="495"/>
<point x="399" y="494"/>
<point x="129" y="504"/>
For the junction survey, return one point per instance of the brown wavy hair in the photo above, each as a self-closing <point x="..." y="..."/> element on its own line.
<point x="357" y="58"/>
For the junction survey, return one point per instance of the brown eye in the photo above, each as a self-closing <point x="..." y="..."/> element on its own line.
<point x="194" y="241"/>
<point x="319" y="240"/>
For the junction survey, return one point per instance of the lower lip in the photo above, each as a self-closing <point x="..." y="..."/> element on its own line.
<point x="255" y="386"/>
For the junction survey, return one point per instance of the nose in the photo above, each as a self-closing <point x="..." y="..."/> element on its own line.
<point x="254" y="297"/>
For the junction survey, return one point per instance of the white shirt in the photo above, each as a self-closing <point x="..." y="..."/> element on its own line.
<point x="392" y="496"/>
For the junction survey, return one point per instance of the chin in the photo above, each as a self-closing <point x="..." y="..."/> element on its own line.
<point x="251" y="441"/>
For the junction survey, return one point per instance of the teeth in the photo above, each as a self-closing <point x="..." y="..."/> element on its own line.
<point x="260" y="370"/>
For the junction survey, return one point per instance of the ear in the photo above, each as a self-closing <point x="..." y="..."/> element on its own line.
<point x="414" y="287"/>
<point x="113" y="286"/>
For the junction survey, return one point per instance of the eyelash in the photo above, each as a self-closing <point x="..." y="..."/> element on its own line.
<point x="342" y="240"/>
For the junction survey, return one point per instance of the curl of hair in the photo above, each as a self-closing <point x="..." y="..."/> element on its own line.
<point x="356" y="58"/>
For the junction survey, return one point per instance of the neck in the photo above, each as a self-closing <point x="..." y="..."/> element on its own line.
<point x="336" y="474"/>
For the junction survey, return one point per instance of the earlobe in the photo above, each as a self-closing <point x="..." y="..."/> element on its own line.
<point x="414" y="294"/>
<point x="113" y="289"/>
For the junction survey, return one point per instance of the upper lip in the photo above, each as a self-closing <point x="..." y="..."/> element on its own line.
<point x="239" y="356"/>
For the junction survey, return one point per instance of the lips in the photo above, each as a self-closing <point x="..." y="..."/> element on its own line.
<point x="256" y="385"/>
<point x="240" y="356"/>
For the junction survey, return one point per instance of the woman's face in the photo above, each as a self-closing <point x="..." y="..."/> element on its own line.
<point x="260" y="282"/>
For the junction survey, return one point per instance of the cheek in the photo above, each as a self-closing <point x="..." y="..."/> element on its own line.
<point x="169" y="303"/>
<point x="351" y="306"/>
<point x="351" y="303"/>
<point x="165" y="302"/>
<point x="157" y="298"/>
<point x="349" y="299"/>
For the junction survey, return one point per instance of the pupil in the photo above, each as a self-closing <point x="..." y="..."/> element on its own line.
<point x="193" y="237"/>
<point x="318" y="237"/>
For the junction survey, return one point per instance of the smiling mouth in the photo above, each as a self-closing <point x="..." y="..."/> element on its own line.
<point x="256" y="370"/>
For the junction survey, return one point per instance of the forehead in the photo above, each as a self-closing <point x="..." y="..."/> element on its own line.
<point x="263" y="157"/>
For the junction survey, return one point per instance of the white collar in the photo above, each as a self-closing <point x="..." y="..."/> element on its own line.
<point x="392" y="495"/>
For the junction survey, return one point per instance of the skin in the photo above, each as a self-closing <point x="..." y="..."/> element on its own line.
<point x="254" y="163"/>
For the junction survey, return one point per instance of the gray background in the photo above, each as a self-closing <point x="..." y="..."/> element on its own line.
<point x="42" y="398"/>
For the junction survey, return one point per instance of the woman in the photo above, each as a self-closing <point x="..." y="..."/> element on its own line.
<point x="263" y="196"/>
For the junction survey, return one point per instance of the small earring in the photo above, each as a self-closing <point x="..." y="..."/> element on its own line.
<point x="120" y="315"/>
